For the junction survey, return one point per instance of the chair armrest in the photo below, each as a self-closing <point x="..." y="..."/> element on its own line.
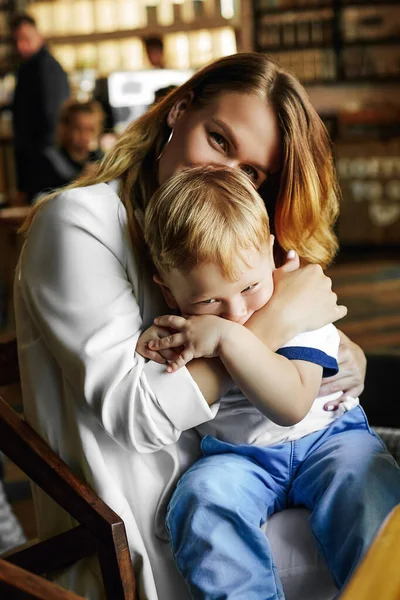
<point x="378" y="575"/>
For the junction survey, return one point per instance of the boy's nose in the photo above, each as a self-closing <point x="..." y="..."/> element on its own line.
<point x="236" y="312"/>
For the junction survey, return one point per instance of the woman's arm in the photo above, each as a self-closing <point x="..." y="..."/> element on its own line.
<point x="352" y="368"/>
<point x="79" y="301"/>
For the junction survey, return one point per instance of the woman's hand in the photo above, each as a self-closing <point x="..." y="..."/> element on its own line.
<point x="153" y="333"/>
<point x="303" y="300"/>
<point x="351" y="375"/>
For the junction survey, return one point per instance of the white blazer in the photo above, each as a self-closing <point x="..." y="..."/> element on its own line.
<point x="122" y="424"/>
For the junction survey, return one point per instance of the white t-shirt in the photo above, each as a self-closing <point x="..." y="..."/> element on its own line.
<point x="239" y="422"/>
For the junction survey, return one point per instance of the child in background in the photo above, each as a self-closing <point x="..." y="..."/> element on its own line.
<point x="271" y="444"/>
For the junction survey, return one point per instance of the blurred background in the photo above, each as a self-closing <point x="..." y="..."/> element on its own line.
<point x="124" y="54"/>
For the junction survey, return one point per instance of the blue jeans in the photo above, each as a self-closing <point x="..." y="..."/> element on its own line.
<point x="343" y="474"/>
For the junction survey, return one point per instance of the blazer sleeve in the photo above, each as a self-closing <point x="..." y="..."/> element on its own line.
<point x="74" y="283"/>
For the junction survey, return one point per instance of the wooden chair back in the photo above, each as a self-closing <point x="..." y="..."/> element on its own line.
<point x="18" y="584"/>
<point x="100" y="530"/>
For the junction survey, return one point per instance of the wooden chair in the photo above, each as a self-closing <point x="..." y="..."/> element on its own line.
<point x="100" y="529"/>
<point x="378" y="575"/>
<point x="18" y="584"/>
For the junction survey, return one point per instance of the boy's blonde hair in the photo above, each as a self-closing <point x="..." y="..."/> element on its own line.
<point x="205" y="215"/>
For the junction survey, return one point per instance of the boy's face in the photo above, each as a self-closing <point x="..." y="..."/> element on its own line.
<point x="205" y="290"/>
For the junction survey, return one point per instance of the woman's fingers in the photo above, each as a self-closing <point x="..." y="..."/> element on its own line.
<point x="155" y="356"/>
<point x="170" y="354"/>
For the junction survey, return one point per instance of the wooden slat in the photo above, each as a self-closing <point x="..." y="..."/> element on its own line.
<point x="55" y="553"/>
<point x="18" y="584"/>
<point x="378" y="576"/>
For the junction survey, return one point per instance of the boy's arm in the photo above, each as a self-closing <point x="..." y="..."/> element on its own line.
<point x="282" y="389"/>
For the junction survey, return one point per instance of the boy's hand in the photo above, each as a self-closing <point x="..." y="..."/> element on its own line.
<point x="200" y="336"/>
<point x="151" y="334"/>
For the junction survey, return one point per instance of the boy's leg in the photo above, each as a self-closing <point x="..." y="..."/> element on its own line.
<point x="350" y="483"/>
<point x="214" y="520"/>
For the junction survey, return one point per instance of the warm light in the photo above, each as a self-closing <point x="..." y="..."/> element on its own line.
<point x="86" y="56"/>
<point x="42" y="12"/>
<point x="131" y="15"/>
<point x="83" y="16"/>
<point x="66" y="55"/>
<point x="200" y="43"/>
<point x="227" y="9"/>
<point x="176" y="47"/>
<point x="224" y="42"/>
<point x="63" y="18"/>
<point x="165" y="12"/>
<point x="131" y="52"/>
<point x="108" y="57"/>
<point x="105" y="15"/>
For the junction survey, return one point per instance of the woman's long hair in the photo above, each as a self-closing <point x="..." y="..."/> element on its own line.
<point x="302" y="198"/>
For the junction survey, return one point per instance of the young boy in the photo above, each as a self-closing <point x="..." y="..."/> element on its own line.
<point x="270" y="444"/>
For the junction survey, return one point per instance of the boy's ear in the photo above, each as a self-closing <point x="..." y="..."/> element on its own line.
<point x="178" y="109"/>
<point x="271" y="247"/>
<point x="271" y="242"/>
<point x="166" y="292"/>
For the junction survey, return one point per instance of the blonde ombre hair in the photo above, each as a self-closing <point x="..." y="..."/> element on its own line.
<point x="301" y="198"/>
<point x="205" y="215"/>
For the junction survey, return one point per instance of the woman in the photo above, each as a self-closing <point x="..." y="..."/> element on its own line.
<point x="85" y="294"/>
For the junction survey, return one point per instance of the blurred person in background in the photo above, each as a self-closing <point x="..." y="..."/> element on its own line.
<point x="80" y="125"/>
<point x="155" y="51"/>
<point x="41" y="88"/>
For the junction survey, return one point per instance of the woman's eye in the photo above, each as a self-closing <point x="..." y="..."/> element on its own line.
<point x="250" y="172"/>
<point x="219" y="140"/>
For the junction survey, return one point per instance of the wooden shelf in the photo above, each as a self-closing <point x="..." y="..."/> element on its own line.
<point x="394" y="39"/>
<point x="276" y="10"/>
<point x="389" y="80"/>
<point x="294" y="47"/>
<point x="364" y="4"/>
<point x="214" y="23"/>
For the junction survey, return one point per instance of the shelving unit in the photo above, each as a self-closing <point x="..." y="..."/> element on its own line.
<point x="107" y="35"/>
<point x="7" y="65"/>
<point x="335" y="42"/>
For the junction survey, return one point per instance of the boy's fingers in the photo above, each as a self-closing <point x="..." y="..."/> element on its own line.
<point x="170" y="341"/>
<point x="182" y="360"/>
<point x="171" y="321"/>
<point x="169" y="354"/>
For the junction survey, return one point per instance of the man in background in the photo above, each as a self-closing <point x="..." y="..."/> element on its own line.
<point x="80" y="125"/>
<point x="41" y="88"/>
<point x="155" y="51"/>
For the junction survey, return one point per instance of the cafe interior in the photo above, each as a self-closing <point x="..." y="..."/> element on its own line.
<point x="346" y="53"/>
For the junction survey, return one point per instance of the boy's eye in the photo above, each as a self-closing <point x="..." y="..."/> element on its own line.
<point x="250" y="172"/>
<point x="219" y="140"/>
<point x="250" y="287"/>
<point x="210" y="301"/>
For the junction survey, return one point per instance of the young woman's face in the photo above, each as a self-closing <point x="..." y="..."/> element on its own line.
<point x="238" y="130"/>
